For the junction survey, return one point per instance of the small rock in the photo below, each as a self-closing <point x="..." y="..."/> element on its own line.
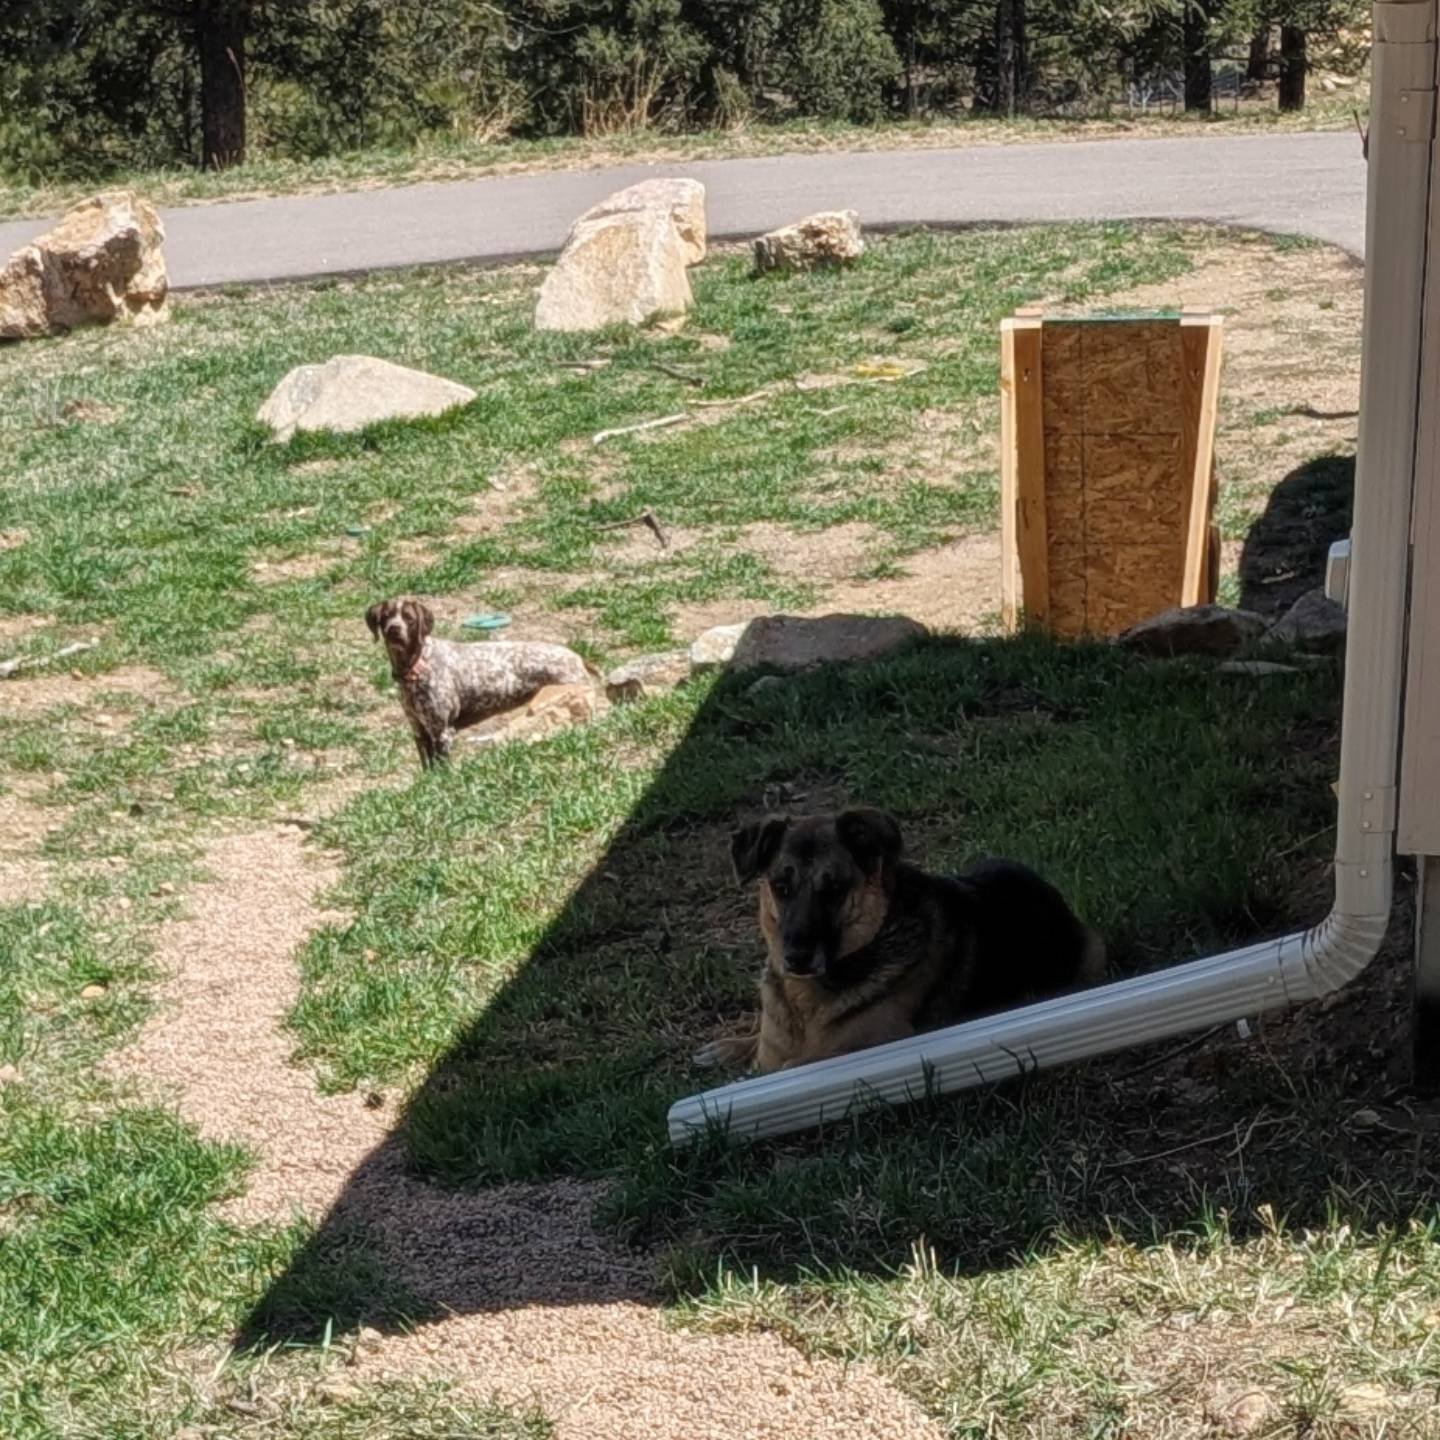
<point x="349" y="392"/>
<point x="93" y="992"/>
<point x="1255" y="667"/>
<point x="550" y="710"/>
<point x="1238" y="1413"/>
<point x="1365" y="1119"/>
<point x="1194" y="630"/>
<point x="104" y="261"/>
<point x="9" y="1074"/>
<point x="795" y="642"/>
<point x="625" y="259"/>
<point x="647" y="675"/>
<point x="831" y="237"/>
<point x="370" y="1338"/>
<point x="1314" y="622"/>
<point x="716" y="646"/>
<point x="1365" y="1401"/>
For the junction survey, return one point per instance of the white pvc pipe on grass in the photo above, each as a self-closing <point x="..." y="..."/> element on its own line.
<point x="1273" y="974"/>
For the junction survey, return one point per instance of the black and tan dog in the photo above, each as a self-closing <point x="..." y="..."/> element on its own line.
<point x="866" y="948"/>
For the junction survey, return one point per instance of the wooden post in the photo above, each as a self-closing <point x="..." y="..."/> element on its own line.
<point x="1023" y="539"/>
<point x="1200" y="402"/>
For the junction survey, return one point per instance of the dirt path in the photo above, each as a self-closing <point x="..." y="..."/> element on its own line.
<point x="541" y="1307"/>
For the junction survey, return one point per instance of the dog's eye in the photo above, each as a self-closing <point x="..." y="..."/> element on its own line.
<point x="781" y="886"/>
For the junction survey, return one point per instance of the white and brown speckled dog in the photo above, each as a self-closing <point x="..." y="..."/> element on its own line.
<point x="445" y="687"/>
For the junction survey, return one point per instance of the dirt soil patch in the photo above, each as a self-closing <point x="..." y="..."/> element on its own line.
<point x="32" y="692"/>
<point x="954" y="588"/>
<point x="217" y="1041"/>
<point x="24" y="875"/>
<point x="301" y="567"/>
<point x="15" y="628"/>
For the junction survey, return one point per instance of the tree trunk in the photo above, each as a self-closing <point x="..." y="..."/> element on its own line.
<point x="1292" y="68"/>
<point x="986" y="82"/>
<point x="1196" y="40"/>
<point x="1258" y="64"/>
<point x="220" y="27"/>
<point x="1012" y="81"/>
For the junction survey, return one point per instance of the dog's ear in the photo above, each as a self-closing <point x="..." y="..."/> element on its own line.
<point x="753" y="847"/>
<point x="425" y="617"/>
<point x="373" y="617"/>
<point x="871" y="836"/>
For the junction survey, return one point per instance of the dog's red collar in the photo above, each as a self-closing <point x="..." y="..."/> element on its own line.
<point x="416" y="670"/>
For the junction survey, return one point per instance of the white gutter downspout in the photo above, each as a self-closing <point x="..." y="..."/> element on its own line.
<point x="1275" y="973"/>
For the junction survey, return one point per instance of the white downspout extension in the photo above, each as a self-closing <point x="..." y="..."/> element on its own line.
<point x="1273" y="974"/>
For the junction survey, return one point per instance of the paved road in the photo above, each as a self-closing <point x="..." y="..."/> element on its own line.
<point x="1310" y="184"/>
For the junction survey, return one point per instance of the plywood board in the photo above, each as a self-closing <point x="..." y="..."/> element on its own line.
<point x="1125" y="411"/>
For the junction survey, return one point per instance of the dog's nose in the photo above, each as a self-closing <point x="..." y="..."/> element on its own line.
<point x="802" y="962"/>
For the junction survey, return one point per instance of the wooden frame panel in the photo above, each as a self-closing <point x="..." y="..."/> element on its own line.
<point x="1107" y="468"/>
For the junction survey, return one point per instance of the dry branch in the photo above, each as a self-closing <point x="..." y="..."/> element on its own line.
<point x="601" y="436"/>
<point x="649" y="519"/>
<point x="35" y="662"/>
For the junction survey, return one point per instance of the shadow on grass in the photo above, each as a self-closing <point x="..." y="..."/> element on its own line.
<point x="1285" y="550"/>
<point x="1181" y="811"/>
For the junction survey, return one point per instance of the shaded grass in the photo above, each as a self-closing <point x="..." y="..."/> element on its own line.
<point x="1116" y="1248"/>
<point x="562" y="932"/>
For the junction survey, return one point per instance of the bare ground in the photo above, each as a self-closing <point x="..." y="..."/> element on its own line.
<point x="34" y="691"/>
<point x="24" y="875"/>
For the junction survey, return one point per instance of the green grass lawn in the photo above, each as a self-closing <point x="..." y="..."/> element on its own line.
<point x="539" y="938"/>
<point x="454" y="157"/>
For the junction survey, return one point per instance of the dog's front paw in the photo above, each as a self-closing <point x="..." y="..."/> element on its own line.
<point x="731" y="1051"/>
